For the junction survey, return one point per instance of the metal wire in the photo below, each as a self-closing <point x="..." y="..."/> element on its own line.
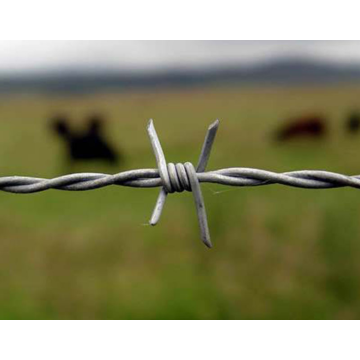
<point x="179" y="177"/>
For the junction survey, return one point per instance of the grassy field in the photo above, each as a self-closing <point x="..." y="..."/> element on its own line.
<point x="279" y="252"/>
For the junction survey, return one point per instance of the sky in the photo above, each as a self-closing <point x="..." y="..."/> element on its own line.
<point x="45" y="56"/>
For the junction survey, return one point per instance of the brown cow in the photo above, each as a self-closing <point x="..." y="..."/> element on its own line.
<point x="312" y="126"/>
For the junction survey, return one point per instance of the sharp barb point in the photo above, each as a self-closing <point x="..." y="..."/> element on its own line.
<point x="150" y="122"/>
<point x="215" y="124"/>
<point x="208" y="244"/>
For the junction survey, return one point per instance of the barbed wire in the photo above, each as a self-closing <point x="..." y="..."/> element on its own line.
<point x="179" y="177"/>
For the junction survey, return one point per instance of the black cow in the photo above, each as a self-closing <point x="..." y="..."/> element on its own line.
<point x="353" y="123"/>
<point x="89" y="144"/>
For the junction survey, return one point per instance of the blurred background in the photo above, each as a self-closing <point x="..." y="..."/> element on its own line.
<point x="279" y="252"/>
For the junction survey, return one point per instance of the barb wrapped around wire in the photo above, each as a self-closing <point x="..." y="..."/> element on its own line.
<point x="179" y="177"/>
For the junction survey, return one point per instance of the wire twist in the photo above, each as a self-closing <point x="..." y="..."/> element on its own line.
<point x="181" y="177"/>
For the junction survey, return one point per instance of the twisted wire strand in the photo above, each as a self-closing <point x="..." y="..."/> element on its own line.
<point x="179" y="177"/>
<point x="149" y="178"/>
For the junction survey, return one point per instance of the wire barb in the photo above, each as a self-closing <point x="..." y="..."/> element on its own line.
<point x="179" y="177"/>
<point x="182" y="177"/>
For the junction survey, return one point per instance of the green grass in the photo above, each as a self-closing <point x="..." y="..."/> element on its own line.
<point x="279" y="252"/>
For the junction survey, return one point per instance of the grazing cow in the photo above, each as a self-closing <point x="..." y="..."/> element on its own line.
<point x="86" y="145"/>
<point x="313" y="126"/>
<point x="353" y="123"/>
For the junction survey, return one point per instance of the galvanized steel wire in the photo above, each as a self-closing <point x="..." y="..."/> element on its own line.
<point x="179" y="177"/>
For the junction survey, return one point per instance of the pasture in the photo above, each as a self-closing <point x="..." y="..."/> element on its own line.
<point x="279" y="252"/>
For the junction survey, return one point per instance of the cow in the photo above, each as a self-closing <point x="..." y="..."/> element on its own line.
<point x="311" y="126"/>
<point x="89" y="144"/>
<point x="353" y="123"/>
